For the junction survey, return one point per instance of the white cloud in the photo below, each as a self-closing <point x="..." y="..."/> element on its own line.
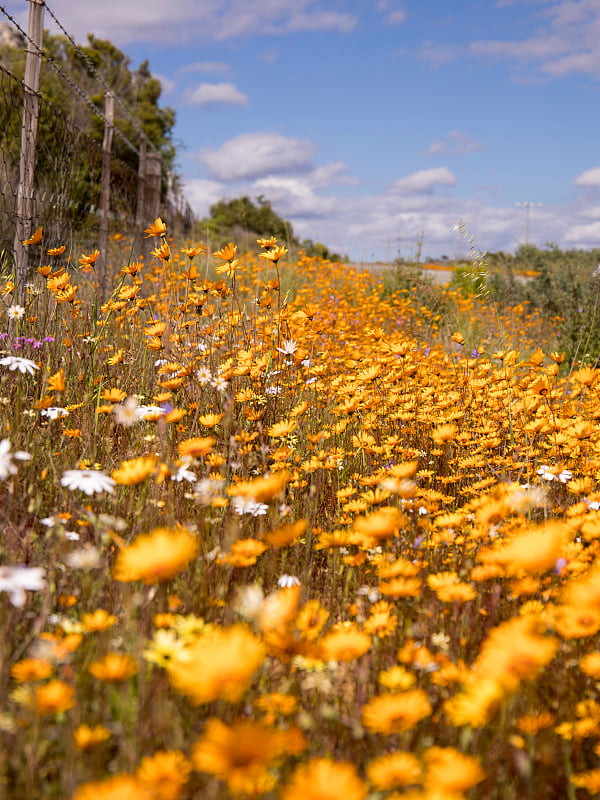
<point x="437" y="54"/>
<point x="205" y="66"/>
<point x="296" y="197"/>
<point x="454" y="143"/>
<point x="208" y="94"/>
<point x="254" y="155"/>
<point x="591" y="177"/>
<point x="424" y="180"/>
<point x="565" y="43"/>
<point x="396" y="17"/>
<point x="166" y="84"/>
<point x="186" y="20"/>
<point x="201" y="194"/>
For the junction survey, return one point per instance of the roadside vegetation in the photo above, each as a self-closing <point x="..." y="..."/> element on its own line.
<point x="340" y="541"/>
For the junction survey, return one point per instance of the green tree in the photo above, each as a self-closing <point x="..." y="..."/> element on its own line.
<point x="243" y="220"/>
<point x="138" y="91"/>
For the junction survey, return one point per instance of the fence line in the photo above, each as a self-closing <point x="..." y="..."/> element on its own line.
<point x="51" y="171"/>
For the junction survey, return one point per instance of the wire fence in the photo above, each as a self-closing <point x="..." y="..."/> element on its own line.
<point x="67" y="175"/>
<point x="60" y="188"/>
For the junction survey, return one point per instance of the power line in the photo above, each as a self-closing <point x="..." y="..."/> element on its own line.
<point x="90" y="65"/>
<point x="71" y="83"/>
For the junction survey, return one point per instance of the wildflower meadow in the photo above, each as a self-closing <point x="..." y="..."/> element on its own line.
<point x="272" y="527"/>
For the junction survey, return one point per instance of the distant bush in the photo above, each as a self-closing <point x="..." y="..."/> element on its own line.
<point x="561" y="284"/>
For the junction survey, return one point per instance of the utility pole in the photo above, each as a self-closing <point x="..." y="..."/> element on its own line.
<point x="528" y="206"/>
<point x="29" y="131"/>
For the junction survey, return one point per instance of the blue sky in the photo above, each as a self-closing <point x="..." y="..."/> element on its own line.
<point x="371" y="125"/>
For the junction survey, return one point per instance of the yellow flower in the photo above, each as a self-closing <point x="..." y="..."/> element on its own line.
<point x="53" y="697"/>
<point x="400" y="587"/>
<point x="99" y="620"/>
<point x="54" y="252"/>
<point x="88" y="261"/>
<point x="533" y="551"/>
<point x="164" y="647"/>
<point x="162" y="252"/>
<point x="86" y="737"/>
<point x="198" y="446"/>
<point x="381" y="524"/>
<point x="262" y="490"/>
<point x="393" y="771"/>
<point x="477" y="705"/>
<point x="157" y="228"/>
<point x="157" y="556"/>
<point x="36" y="237"/>
<point x="396" y="713"/>
<point x="192" y="252"/>
<point x="449" y="770"/>
<point x="240" y="755"/>
<point x="345" y="645"/>
<point x="274" y="253"/>
<point x="381" y="621"/>
<point x="283" y="428"/>
<point x="397" y="679"/>
<point x="444" y="433"/>
<point x="56" y="382"/>
<point x="113" y="668"/>
<point x="515" y="651"/>
<point x="226" y="253"/>
<point x="113" y="395"/>
<point x="210" y="420"/>
<point x="325" y="779"/>
<point x="286" y="534"/>
<point x="220" y="665"/>
<point x="589" y="665"/>
<point x="119" y="787"/>
<point x="134" y="471"/>
<point x="164" y="774"/>
<point x="31" y="669"/>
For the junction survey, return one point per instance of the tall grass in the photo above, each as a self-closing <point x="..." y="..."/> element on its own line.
<point x="337" y="540"/>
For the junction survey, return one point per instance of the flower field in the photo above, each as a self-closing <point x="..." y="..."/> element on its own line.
<point x="269" y="531"/>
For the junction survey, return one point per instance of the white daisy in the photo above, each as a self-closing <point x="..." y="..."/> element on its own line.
<point x="289" y="347"/>
<point x="183" y="474"/>
<point x="89" y="481"/>
<point x="16" y="312"/>
<point x="127" y="413"/>
<point x="6" y="459"/>
<point x="18" y="362"/>
<point x="85" y="558"/>
<point x="17" y="580"/>
<point x="287" y="581"/>
<point x="247" y="505"/>
<point x="219" y="383"/>
<point x="204" y="376"/>
<point x="54" y="412"/>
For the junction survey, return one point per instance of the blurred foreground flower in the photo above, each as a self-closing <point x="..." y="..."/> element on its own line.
<point x="89" y="481"/>
<point x="218" y="666"/>
<point x="164" y="774"/>
<point x="17" y="580"/>
<point x="6" y="464"/>
<point x="156" y="556"/>
<point x="24" y="365"/>
<point x="324" y="779"/>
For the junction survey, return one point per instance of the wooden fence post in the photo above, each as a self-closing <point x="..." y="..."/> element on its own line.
<point x="29" y="129"/>
<point x="138" y="236"/>
<point x="109" y="113"/>
<point x="153" y="176"/>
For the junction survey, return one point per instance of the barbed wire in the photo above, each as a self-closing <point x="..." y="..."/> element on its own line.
<point x="71" y="83"/>
<point x="68" y="170"/>
<point x="90" y="65"/>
